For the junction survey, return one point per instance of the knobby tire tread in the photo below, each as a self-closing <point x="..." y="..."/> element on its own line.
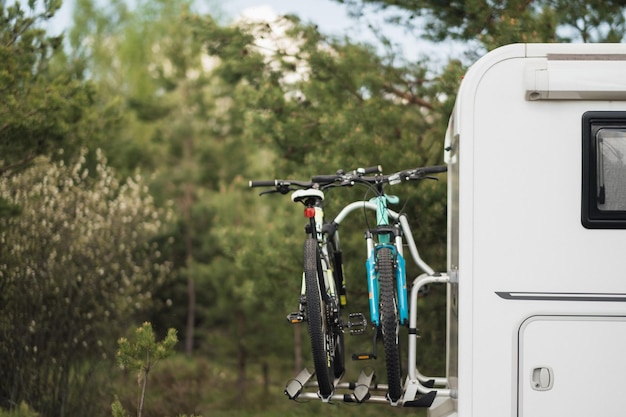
<point x="389" y="322"/>
<point x="316" y="320"/>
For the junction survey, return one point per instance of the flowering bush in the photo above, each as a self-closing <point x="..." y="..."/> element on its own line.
<point x="75" y="262"/>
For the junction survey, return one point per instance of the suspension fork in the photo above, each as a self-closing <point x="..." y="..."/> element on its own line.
<point x="403" y="303"/>
<point x="384" y="235"/>
<point x="372" y="279"/>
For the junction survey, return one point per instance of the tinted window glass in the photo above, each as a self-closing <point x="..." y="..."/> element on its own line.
<point x="611" y="169"/>
<point x="604" y="170"/>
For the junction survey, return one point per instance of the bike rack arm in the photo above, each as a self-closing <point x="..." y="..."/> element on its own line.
<point x="351" y="207"/>
<point x="412" y="247"/>
<point x="406" y="229"/>
<point x="415" y="378"/>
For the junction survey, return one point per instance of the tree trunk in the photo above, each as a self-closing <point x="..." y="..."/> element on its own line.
<point x="191" y="314"/>
<point x="241" y="354"/>
<point x="191" y="289"/>
<point x="266" y="379"/>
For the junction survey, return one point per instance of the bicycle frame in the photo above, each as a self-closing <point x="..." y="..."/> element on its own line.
<point x="316" y="222"/>
<point x="383" y="214"/>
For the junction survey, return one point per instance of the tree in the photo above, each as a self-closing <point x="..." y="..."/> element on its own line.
<point x="153" y="86"/>
<point x="493" y="23"/>
<point x="259" y="265"/>
<point x="76" y="264"/>
<point x="188" y="123"/>
<point x="43" y="105"/>
<point x="141" y="355"/>
<point x="332" y="104"/>
<point x="322" y="104"/>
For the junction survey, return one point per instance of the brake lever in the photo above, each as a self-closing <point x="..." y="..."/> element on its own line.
<point x="268" y="192"/>
<point x="284" y="189"/>
<point x="426" y="177"/>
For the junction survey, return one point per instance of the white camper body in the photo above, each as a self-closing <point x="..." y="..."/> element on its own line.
<point x="536" y="149"/>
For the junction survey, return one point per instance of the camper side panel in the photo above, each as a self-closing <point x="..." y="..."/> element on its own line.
<point x="522" y="248"/>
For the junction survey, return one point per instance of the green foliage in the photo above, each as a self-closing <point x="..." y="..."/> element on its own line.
<point x="344" y="107"/>
<point x="117" y="409"/>
<point x="144" y="351"/>
<point x="142" y="354"/>
<point x="496" y="23"/>
<point x="74" y="266"/>
<point x="341" y="104"/>
<point x="181" y="386"/>
<point x="23" y="410"/>
<point x="591" y="21"/>
<point x="207" y="385"/>
<point x="187" y="124"/>
<point x="322" y="104"/>
<point x="43" y="105"/>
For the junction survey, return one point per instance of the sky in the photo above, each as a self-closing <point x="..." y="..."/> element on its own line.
<point x="330" y="16"/>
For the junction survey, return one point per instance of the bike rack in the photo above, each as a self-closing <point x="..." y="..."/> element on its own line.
<point x="417" y="383"/>
<point x="364" y="390"/>
<point x="419" y="390"/>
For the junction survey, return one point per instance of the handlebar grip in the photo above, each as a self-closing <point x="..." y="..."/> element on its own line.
<point x="372" y="170"/>
<point x="262" y="183"/>
<point x="433" y="169"/>
<point x="324" y="179"/>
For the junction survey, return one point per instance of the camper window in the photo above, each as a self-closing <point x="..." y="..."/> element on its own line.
<point x="604" y="170"/>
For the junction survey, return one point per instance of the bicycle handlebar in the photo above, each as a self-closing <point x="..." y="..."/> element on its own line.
<point x="278" y="183"/>
<point x="412" y="174"/>
<point x="341" y="174"/>
<point x="342" y="178"/>
<point x="262" y="183"/>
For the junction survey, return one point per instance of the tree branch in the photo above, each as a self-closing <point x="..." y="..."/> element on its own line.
<point x="406" y="95"/>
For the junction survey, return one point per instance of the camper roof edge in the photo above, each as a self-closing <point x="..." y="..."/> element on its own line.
<point x="540" y="50"/>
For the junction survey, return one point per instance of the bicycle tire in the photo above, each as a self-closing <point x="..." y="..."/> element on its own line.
<point x="389" y="322"/>
<point x="319" y="329"/>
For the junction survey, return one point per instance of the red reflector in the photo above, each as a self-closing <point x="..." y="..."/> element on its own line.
<point x="309" y="212"/>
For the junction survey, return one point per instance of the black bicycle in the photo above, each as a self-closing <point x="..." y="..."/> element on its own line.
<point x="323" y="292"/>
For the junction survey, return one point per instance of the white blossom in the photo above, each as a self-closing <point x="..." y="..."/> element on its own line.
<point x="78" y="244"/>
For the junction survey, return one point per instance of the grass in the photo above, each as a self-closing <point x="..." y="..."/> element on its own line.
<point x="197" y="386"/>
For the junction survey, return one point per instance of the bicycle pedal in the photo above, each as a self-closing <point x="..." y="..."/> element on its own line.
<point x="363" y="356"/>
<point x="357" y="323"/>
<point x="295" y="318"/>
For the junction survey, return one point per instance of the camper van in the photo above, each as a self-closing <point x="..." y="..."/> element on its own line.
<point x="536" y="153"/>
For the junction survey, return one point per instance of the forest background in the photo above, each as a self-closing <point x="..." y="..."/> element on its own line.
<point x="126" y="146"/>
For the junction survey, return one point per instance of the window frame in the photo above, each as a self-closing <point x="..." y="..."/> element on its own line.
<point x="591" y="216"/>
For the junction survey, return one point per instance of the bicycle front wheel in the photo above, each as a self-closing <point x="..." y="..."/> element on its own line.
<point x="320" y="331"/>
<point x="389" y="322"/>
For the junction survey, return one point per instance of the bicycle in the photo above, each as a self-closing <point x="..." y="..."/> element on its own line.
<point x="385" y="264"/>
<point x="385" y="267"/>
<point x="323" y="287"/>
